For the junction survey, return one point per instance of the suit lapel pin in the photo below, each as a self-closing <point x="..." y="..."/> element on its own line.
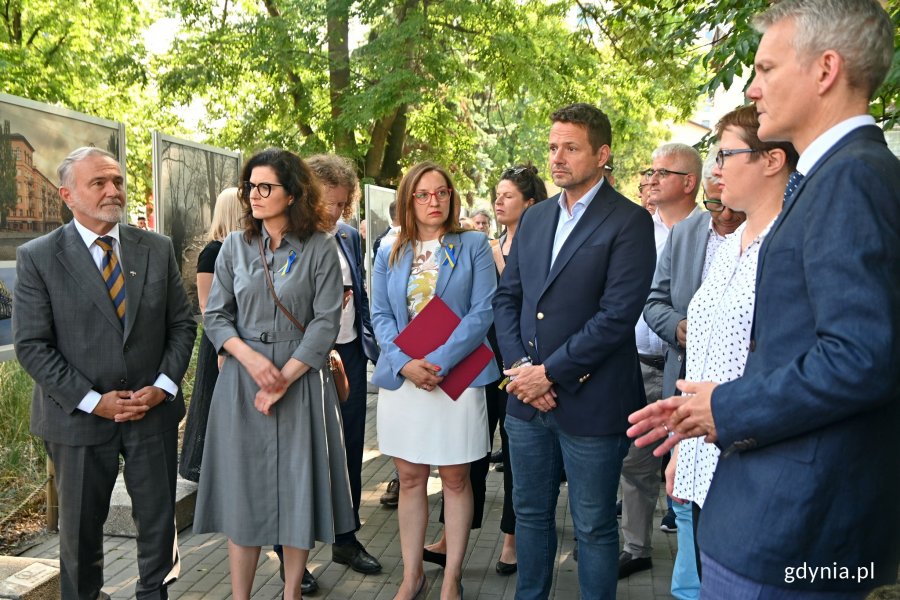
<point x="344" y="235"/>
<point x="132" y="273"/>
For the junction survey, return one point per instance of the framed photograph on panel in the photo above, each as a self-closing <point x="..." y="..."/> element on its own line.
<point x="378" y="220"/>
<point x="187" y="178"/>
<point x="34" y="138"/>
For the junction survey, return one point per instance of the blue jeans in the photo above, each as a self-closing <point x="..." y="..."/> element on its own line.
<point x="538" y="452"/>
<point x="685" y="582"/>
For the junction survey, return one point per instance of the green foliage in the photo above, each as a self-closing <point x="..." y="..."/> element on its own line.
<point x="22" y="456"/>
<point x="468" y="84"/>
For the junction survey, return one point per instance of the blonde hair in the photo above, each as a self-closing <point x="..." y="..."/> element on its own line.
<point x="227" y="215"/>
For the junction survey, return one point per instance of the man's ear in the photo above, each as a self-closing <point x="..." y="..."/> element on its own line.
<point x="829" y="67"/>
<point x="66" y="195"/>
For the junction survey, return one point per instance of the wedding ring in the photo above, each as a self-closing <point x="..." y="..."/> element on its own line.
<point x="666" y="427"/>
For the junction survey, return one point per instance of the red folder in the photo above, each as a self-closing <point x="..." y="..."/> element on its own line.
<point x="430" y="329"/>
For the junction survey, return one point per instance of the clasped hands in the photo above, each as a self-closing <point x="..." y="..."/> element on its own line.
<point x="422" y="373"/>
<point x="685" y="416"/>
<point x="529" y="384"/>
<point x="126" y="405"/>
<point x="272" y="381"/>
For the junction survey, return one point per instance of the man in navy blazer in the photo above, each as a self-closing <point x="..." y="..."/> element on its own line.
<point x="574" y="285"/>
<point x="810" y="463"/>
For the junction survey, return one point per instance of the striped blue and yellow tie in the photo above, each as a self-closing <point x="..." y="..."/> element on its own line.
<point x="112" y="275"/>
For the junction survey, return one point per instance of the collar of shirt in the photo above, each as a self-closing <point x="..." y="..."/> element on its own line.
<point x="289" y="238"/>
<point x="714" y="233"/>
<point x="579" y="206"/>
<point x="661" y="230"/>
<point x="824" y="142"/>
<point x="89" y="237"/>
<point x="567" y="222"/>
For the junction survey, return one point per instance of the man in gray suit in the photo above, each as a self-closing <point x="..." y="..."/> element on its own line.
<point x="102" y="324"/>
<point x="680" y="270"/>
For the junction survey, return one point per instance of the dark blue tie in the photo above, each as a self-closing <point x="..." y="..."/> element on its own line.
<point x="793" y="182"/>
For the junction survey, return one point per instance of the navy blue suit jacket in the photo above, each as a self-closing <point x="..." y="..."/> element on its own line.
<point x="811" y="470"/>
<point x="578" y="317"/>
<point x="349" y="242"/>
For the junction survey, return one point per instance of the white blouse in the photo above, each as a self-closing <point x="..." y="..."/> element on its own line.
<point x="720" y="317"/>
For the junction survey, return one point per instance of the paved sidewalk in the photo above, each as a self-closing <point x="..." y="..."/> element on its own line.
<point x="204" y="557"/>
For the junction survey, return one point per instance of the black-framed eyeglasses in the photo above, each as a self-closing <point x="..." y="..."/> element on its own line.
<point x="661" y="173"/>
<point x="264" y="189"/>
<point x="713" y="205"/>
<point x="423" y="197"/>
<point x="721" y="155"/>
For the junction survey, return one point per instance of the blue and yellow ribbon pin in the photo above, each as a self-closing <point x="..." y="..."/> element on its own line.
<point x="286" y="268"/>
<point x="449" y="256"/>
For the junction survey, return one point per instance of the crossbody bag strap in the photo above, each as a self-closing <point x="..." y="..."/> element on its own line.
<point x="265" y="266"/>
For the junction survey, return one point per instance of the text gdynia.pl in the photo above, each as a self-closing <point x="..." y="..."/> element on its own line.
<point x="832" y="572"/>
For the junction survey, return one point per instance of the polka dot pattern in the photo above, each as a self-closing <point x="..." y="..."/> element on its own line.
<point x="720" y="317"/>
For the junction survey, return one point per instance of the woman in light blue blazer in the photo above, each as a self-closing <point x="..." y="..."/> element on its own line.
<point x="418" y="424"/>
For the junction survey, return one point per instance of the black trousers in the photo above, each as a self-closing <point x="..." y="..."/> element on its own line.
<point x="85" y="477"/>
<point x="353" y="414"/>
<point x="478" y="470"/>
<point x="508" y="516"/>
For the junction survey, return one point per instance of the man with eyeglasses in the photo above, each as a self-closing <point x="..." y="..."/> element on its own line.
<point x="809" y="473"/>
<point x="680" y="270"/>
<point x="644" y="193"/>
<point x="575" y="281"/>
<point x="674" y="180"/>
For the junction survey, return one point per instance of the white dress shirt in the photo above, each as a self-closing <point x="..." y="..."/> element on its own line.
<point x="92" y="398"/>
<point x="648" y="343"/>
<point x="347" y="332"/>
<point x="826" y="140"/>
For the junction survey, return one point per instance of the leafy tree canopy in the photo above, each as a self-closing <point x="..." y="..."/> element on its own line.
<point x="468" y="84"/>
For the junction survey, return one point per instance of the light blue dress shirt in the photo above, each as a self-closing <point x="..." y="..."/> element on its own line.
<point x="567" y="221"/>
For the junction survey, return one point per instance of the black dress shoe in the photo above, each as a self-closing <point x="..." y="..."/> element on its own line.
<point x="356" y="557"/>
<point x="497" y="456"/>
<point x="506" y="568"/>
<point x="628" y="565"/>
<point x="499" y="467"/>
<point x="309" y="585"/>
<point x="437" y="558"/>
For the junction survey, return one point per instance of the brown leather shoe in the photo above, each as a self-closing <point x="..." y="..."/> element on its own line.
<point x="391" y="496"/>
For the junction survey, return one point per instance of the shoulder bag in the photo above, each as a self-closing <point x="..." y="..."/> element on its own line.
<point x="335" y="364"/>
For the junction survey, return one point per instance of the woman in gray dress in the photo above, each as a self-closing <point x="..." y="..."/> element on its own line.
<point x="274" y="469"/>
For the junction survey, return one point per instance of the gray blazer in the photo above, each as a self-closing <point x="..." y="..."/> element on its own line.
<point x="677" y="278"/>
<point x="69" y="339"/>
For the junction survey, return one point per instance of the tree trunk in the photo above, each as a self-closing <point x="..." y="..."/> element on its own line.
<point x="338" y="15"/>
<point x="377" y="143"/>
<point x="390" y="167"/>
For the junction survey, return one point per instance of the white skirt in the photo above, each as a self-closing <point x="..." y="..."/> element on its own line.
<point x="429" y="428"/>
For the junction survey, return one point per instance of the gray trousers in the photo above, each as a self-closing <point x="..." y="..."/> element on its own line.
<point x="85" y="476"/>
<point x="640" y="481"/>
